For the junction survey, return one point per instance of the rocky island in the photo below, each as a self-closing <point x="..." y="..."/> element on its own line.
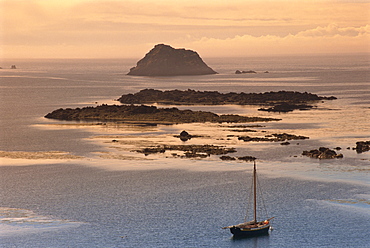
<point x="147" y="114"/>
<point x="284" y="101"/>
<point x="163" y="60"/>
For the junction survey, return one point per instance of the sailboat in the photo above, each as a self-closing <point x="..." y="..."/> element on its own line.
<point x="254" y="227"/>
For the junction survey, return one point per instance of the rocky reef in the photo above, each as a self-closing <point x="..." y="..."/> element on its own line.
<point x="191" y="151"/>
<point x="147" y="114"/>
<point x="322" y="153"/>
<point x="245" y="158"/>
<point x="163" y="60"/>
<point x="275" y="137"/>
<point x="189" y="97"/>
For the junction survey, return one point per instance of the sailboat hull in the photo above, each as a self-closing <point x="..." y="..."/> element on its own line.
<point x="249" y="232"/>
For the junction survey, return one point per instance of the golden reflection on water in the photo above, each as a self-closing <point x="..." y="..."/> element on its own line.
<point x="331" y="124"/>
<point x="38" y="155"/>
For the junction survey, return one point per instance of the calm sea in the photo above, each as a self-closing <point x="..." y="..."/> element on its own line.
<point x="110" y="196"/>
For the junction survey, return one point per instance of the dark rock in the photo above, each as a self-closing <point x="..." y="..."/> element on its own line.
<point x="285" y="136"/>
<point x="13" y="67"/>
<point x="322" y="153"/>
<point x="227" y="158"/>
<point x="184" y="136"/>
<point x="195" y="155"/>
<point x="362" y="146"/>
<point x="151" y="150"/>
<point x="247" y="158"/>
<point x="285" y="143"/>
<point x="163" y="60"/>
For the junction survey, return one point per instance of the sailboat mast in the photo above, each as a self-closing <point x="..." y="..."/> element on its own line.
<point x="255" y="191"/>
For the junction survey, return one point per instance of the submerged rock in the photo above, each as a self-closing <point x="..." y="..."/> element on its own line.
<point x="286" y="107"/>
<point x="163" y="60"/>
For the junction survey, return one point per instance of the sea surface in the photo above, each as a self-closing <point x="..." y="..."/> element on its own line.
<point x="83" y="184"/>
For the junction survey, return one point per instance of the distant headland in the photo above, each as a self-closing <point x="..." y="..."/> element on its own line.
<point x="163" y="60"/>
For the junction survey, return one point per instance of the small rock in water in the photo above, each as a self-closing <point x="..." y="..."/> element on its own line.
<point x="322" y="153"/>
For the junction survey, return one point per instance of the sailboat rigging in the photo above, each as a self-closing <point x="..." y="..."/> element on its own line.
<point x="253" y="227"/>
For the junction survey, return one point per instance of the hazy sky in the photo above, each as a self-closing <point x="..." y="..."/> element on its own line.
<point x="214" y="28"/>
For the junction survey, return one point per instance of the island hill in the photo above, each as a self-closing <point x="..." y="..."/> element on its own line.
<point x="281" y="101"/>
<point x="163" y="60"/>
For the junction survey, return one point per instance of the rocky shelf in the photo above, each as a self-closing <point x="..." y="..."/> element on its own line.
<point x="276" y="137"/>
<point x="147" y="114"/>
<point x="191" y="151"/>
<point x="192" y="97"/>
<point x="322" y="153"/>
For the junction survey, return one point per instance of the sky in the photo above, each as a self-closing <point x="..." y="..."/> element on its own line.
<point x="213" y="28"/>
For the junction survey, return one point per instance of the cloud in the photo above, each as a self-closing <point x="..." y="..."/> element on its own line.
<point x="116" y="28"/>
<point x="333" y="30"/>
<point x="329" y="39"/>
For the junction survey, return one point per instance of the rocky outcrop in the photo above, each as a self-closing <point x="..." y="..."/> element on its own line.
<point x="163" y="60"/>
<point x="362" y="146"/>
<point x="184" y="136"/>
<point x="322" y="153"/>
<point x="189" y="97"/>
<point x="147" y="114"/>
